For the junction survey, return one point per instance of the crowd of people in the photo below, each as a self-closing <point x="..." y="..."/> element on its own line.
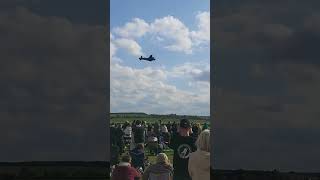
<point x="190" y="144"/>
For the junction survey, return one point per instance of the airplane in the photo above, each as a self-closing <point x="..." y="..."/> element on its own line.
<point x="150" y="58"/>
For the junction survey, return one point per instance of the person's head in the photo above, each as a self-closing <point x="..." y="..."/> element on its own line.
<point x="138" y="122"/>
<point x="163" y="158"/>
<point x="203" y="141"/>
<point x="164" y="129"/>
<point x="185" y="123"/>
<point x="205" y="126"/>
<point x="126" y="158"/>
<point x="196" y="127"/>
<point x="199" y="125"/>
<point x="140" y="146"/>
<point x="185" y="127"/>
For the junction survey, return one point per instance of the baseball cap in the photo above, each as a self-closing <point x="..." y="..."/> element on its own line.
<point x="185" y="123"/>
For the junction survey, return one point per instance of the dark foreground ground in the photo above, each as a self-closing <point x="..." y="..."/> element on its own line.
<point x="54" y="170"/>
<point x="100" y="170"/>
<point x="261" y="175"/>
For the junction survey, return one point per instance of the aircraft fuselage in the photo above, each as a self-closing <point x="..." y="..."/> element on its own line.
<point x="147" y="59"/>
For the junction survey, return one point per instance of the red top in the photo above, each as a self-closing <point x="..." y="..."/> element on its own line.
<point x="125" y="173"/>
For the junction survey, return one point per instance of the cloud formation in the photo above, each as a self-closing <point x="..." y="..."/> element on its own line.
<point x="147" y="89"/>
<point x="197" y="71"/>
<point x="202" y="35"/>
<point x="135" y="29"/>
<point x="154" y="90"/>
<point x="175" y="32"/>
<point x="128" y="44"/>
<point x="178" y="37"/>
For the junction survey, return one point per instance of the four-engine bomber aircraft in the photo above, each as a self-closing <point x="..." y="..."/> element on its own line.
<point x="150" y="58"/>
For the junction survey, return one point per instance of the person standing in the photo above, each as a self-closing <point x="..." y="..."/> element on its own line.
<point x="127" y="134"/>
<point x="119" y="135"/>
<point x="165" y="136"/>
<point x="183" y="145"/>
<point x="138" y="134"/>
<point x="174" y="128"/>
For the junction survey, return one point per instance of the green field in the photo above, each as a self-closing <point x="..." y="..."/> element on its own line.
<point x="120" y="118"/>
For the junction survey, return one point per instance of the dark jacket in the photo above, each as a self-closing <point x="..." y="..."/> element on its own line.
<point x="139" y="134"/>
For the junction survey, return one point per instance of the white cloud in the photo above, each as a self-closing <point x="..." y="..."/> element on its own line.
<point x="136" y="28"/>
<point x="147" y="90"/>
<point x="159" y="38"/>
<point x="202" y="35"/>
<point x="173" y="34"/>
<point x="130" y="45"/>
<point x="113" y="49"/>
<point x="196" y="71"/>
<point x="172" y="29"/>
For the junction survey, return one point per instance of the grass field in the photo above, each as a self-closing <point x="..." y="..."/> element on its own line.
<point x="120" y="118"/>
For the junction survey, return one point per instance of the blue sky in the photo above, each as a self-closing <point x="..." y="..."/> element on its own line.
<point x="122" y="11"/>
<point x="177" y="34"/>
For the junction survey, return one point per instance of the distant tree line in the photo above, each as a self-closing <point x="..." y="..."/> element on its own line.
<point x="144" y="115"/>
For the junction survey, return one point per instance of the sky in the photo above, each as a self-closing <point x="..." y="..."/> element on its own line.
<point x="177" y="34"/>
